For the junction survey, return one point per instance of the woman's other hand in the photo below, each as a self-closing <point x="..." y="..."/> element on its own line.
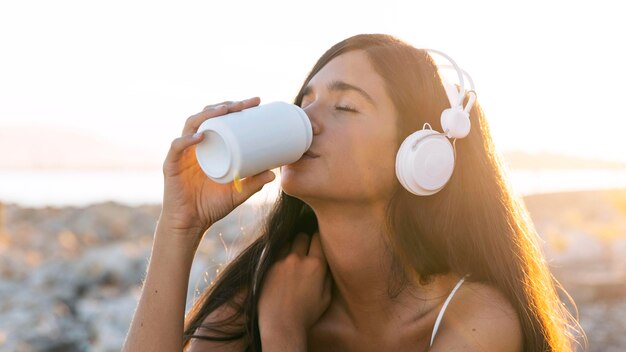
<point x="192" y="202"/>
<point x="295" y="294"/>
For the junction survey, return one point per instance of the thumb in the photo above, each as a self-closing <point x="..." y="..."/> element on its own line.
<point x="245" y="188"/>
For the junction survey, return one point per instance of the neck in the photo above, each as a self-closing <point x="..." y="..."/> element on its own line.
<point x="353" y="240"/>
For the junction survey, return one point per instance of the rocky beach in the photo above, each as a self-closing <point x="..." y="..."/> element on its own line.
<point x="70" y="276"/>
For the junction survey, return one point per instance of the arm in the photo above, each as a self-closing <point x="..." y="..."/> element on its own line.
<point x="284" y="341"/>
<point x="158" y="321"/>
<point x="191" y="204"/>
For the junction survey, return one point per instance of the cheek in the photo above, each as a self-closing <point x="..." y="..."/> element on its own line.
<point x="376" y="145"/>
<point x="375" y="157"/>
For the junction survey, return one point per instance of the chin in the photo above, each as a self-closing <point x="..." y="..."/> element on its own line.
<point x="291" y="185"/>
<point x="298" y="184"/>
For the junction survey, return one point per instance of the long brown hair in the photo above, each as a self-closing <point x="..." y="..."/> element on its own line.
<point x="474" y="225"/>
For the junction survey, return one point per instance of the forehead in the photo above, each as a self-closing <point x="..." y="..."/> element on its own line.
<point x="355" y="68"/>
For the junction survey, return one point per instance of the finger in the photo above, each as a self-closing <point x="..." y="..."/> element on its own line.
<point x="328" y="282"/>
<point x="244" y="104"/>
<point x="180" y="144"/>
<point x="251" y="185"/>
<point x="194" y="121"/>
<point x="212" y="106"/>
<point x="327" y="287"/>
<point x="300" y="244"/>
<point x="214" y="110"/>
<point x="315" y="249"/>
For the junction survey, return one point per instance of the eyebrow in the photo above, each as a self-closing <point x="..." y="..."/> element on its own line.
<point x="342" y="86"/>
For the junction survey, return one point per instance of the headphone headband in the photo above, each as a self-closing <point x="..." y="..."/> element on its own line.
<point x="456" y="96"/>
<point x="456" y="67"/>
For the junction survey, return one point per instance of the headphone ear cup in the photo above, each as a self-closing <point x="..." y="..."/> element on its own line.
<point x="424" y="162"/>
<point x="456" y="122"/>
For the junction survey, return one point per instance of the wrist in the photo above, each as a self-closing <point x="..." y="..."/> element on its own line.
<point x="283" y="339"/>
<point x="173" y="228"/>
<point x="186" y="239"/>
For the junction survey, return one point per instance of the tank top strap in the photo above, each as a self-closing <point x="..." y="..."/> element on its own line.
<point x="443" y="308"/>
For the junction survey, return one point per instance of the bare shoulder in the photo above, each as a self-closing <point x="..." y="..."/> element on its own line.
<point x="226" y="315"/>
<point x="479" y="318"/>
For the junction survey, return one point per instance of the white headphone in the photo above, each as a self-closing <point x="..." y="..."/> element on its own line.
<point x="425" y="160"/>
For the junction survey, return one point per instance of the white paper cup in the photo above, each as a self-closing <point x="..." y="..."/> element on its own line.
<point x="245" y="143"/>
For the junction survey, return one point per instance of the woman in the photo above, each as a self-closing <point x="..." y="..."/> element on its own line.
<point x="348" y="259"/>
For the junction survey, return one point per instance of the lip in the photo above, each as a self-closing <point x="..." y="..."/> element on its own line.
<point x="311" y="154"/>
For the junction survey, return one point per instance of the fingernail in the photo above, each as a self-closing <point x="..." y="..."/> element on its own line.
<point x="197" y="135"/>
<point x="270" y="177"/>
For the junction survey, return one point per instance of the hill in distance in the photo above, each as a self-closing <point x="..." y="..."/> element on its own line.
<point x="520" y="160"/>
<point x="55" y="148"/>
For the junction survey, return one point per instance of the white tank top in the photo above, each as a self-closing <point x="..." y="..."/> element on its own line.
<point x="443" y="309"/>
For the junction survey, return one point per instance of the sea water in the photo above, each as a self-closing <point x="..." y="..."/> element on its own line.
<point x="38" y="188"/>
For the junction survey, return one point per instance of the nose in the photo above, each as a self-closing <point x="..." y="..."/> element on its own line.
<point x="313" y="112"/>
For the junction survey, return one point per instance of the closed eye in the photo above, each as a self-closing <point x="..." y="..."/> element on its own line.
<point x="345" y="108"/>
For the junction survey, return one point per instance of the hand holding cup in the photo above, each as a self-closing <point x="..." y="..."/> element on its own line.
<point x="192" y="202"/>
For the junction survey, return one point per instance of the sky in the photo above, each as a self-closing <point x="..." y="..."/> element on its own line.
<point x="549" y="74"/>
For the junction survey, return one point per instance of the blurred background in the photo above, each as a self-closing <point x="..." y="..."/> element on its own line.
<point x="92" y="93"/>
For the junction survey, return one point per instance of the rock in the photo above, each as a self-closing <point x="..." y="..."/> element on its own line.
<point x="108" y="319"/>
<point x="70" y="277"/>
<point x="36" y="322"/>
